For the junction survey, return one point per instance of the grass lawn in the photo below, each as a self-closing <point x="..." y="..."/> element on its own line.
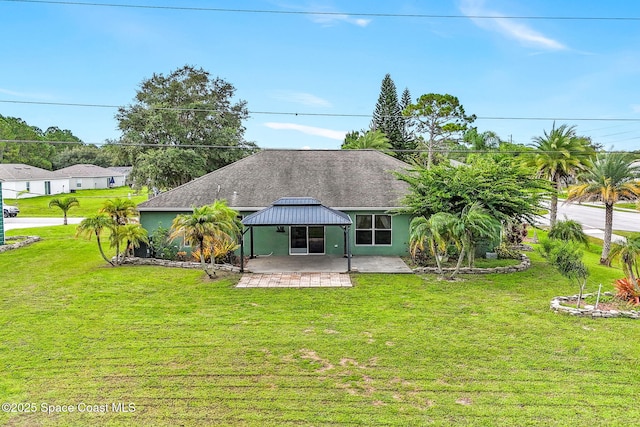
<point x="401" y="350"/>
<point x="90" y="202"/>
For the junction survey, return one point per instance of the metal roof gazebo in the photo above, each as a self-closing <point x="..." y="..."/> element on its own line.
<point x="296" y="211"/>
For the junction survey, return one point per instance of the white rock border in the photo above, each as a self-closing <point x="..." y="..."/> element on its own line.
<point x="589" y="310"/>
<point x="177" y="264"/>
<point x="27" y="241"/>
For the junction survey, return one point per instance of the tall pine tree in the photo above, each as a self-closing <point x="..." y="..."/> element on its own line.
<point x="407" y="133"/>
<point x="387" y="116"/>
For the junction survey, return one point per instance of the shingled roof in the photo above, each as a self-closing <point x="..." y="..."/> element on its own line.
<point x="341" y="179"/>
<point x="87" y="171"/>
<point x="22" y="172"/>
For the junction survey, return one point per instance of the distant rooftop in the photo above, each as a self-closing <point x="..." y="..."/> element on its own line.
<point x="87" y="171"/>
<point x="22" y="172"/>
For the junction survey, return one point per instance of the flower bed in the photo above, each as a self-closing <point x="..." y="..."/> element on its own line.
<point x="559" y="305"/>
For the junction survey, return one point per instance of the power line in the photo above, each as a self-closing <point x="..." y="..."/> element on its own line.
<point x="129" y="144"/>
<point x="296" y="113"/>
<point x="338" y="14"/>
<point x="525" y="149"/>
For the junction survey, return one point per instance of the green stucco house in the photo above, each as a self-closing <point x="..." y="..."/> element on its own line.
<point x="302" y="202"/>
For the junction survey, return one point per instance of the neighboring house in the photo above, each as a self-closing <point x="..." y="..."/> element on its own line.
<point x="124" y="170"/>
<point x="90" y="177"/>
<point x="1" y="218"/>
<point x="302" y="202"/>
<point x="20" y="180"/>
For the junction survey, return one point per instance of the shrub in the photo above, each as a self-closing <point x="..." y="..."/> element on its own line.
<point x="507" y="252"/>
<point x="627" y="291"/>
<point x="161" y="246"/>
<point x="568" y="231"/>
<point x="514" y="233"/>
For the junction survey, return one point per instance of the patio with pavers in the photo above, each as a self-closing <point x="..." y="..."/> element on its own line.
<point x="294" y="280"/>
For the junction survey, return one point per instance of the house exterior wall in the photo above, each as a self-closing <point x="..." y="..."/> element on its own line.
<point x="11" y="189"/>
<point x="150" y="221"/>
<point x="93" y="183"/>
<point x="268" y="240"/>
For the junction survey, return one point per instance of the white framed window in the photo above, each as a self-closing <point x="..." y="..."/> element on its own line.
<point x="185" y="244"/>
<point x="373" y="230"/>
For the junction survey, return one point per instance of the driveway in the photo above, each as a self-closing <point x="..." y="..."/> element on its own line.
<point x="22" y="222"/>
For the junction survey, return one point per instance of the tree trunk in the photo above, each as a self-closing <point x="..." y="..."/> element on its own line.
<point x="608" y="226"/>
<point x="553" y="209"/>
<point x="202" y="263"/>
<point x="118" y="262"/>
<point x="459" y="263"/>
<point x="65" y="218"/>
<point x="436" y="255"/>
<point x="101" y="250"/>
<point x="430" y="155"/>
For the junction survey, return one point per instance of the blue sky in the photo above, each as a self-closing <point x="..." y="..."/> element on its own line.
<point x="499" y="68"/>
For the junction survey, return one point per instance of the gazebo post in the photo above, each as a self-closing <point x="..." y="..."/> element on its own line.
<point x="251" y="236"/>
<point x="347" y="247"/>
<point x="242" y="251"/>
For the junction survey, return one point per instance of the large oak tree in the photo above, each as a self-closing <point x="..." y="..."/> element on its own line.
<point x="188" y="108"/>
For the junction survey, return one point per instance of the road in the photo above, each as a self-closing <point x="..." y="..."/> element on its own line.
<point x="593" y="217"/>
<point x="18" y="222"/>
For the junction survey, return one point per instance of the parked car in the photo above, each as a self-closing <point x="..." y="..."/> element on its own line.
<point x="9" y="211"/>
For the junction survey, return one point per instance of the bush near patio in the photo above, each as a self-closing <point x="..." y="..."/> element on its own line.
<point x="393" y="350"/>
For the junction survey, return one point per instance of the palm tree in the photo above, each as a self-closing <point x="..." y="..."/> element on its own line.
<point x="558" y="155"/>
<point x="430" y="232"/>
<point x="120" y="210"/>
<point x="371" y="140"/>
<point x="64" y="203"/>
<point x="206" y="222"/>
<point x="94" y="225"/>
<point x="133" y="235"/>
<point x="612" y="178"/>
<point x="472" y="224"/>
<point x="628" y="252"/>
<point x="568" y="231"/>
<point x="485" y="141"/>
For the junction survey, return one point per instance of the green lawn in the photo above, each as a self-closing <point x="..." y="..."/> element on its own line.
<point x="90" y="202"/>
<point x="402" y="350"/>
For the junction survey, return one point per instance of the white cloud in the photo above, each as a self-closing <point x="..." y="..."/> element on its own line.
<point x="508" y="27"/>
<point x="23" y="94"/>
<point x="330" y="20"/>
<point x="635" y="108"/>
<point x="309" y="130"/>
<point x="302" y="98"/>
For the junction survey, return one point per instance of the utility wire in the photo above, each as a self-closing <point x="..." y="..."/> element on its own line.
<point x="294" y="113"/>
<point x="525" y="149"/>
<point x="365" y="14"/>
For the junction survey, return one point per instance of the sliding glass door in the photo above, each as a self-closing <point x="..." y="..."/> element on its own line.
<point x="306" y="240"/>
